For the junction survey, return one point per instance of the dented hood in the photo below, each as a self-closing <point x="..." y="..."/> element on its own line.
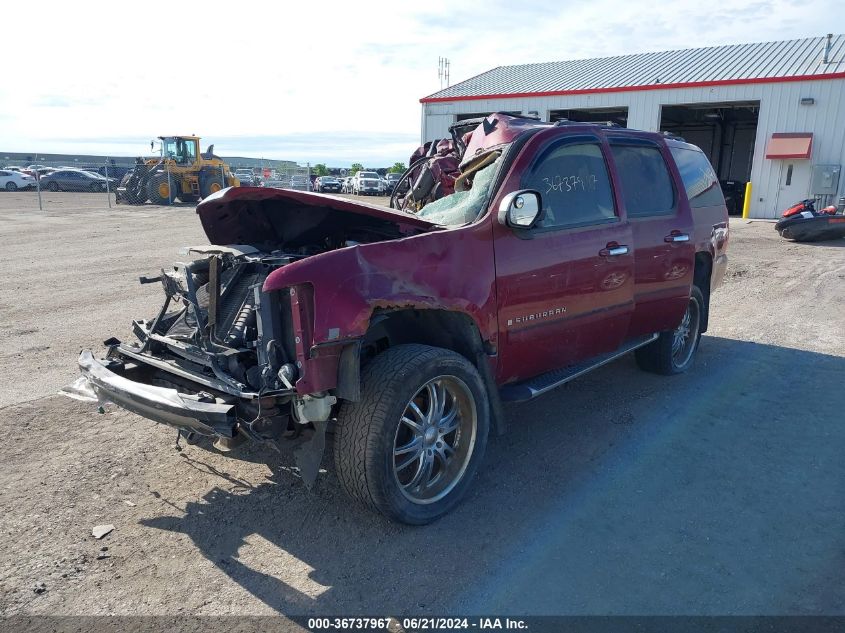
<point x="266" y="215"/>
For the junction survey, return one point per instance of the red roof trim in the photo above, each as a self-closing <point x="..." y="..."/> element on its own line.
<point x="689" y="84"/>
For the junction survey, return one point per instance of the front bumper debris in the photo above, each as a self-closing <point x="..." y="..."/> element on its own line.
<point x="187" y="412"/>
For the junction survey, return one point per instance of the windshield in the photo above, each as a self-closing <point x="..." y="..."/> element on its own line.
<point x="463" y="207"/>
<point x="368" y="174"/>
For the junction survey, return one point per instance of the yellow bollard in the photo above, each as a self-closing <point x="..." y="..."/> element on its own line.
<point x="746" y="202"/>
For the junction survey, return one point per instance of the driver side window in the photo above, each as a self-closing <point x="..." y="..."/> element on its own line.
<point x="574" y="184"/>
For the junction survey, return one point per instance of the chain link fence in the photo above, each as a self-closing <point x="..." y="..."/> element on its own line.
<point x="99" y="178"/>
<point x="106" y="182"/>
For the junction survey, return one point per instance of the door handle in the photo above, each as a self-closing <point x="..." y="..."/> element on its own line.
<point x="676" y="236"/>
<point x="613" y="250"/>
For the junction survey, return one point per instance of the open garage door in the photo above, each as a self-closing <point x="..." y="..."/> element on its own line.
<point x="726" y="133"/>
<point x="618" y="116"/>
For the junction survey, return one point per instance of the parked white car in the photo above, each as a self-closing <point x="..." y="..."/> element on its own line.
<point x="13" y="180"/>
<point x="366" y="183"/>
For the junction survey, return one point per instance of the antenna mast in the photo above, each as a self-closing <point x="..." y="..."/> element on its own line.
<point x="443" y="71"/>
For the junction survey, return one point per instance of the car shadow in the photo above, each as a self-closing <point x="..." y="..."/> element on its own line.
<point x="718" y="491"/>
<point x="835" y="243"/>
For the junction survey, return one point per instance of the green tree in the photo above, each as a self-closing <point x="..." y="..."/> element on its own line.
<point x="398" y="168"/>
<point x="321" y="170"/>
<point x="356" y="167"/>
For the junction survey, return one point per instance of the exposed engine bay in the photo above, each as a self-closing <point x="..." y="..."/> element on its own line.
<point x="220" y="351"/>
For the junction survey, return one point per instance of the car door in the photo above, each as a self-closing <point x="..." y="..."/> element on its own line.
<point x="5" y="177"/>
<point x="662" y="229"/>
<point x="64" y="180"/>
<point x="79" y="182"/>
<point x="564" y="287"/>
<point x="67" y="181"/>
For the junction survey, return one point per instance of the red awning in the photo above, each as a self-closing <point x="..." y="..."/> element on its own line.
<point x="790" y="145"/>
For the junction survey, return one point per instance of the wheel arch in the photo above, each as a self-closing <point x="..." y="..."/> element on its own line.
<point x="447" y="329"/>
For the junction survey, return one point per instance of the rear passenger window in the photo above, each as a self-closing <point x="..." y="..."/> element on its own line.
<point x="646" y="184"/>
<point x="699" y="178"/>
<point x="573" y="181"/>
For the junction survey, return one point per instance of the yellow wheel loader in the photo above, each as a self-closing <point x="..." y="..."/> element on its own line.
<point x="182" y="172"/>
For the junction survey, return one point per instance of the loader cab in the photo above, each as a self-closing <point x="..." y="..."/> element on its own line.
<point x="181" y="149"/>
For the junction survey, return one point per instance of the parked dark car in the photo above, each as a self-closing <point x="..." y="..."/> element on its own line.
<point x="392" y="180"/>
<point x="563" y="247"/>
<point x="75" y="180"/>
<point x="328" y="184"/>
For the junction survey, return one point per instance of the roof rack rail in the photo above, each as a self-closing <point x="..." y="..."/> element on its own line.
<point x="598" y="123"/>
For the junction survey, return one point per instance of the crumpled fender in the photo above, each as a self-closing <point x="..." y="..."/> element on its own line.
<point x="447" y="270"/>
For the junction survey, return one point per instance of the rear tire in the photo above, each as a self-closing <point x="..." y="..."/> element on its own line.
<point x="412" y="444"/>
<point x="210" y="185"/>
<point x="674" y="350"/>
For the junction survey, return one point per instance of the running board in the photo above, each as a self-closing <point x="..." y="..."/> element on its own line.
<point x="522" y="391"/>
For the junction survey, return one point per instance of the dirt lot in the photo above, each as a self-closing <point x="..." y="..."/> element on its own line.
<point x="716" y="492"/>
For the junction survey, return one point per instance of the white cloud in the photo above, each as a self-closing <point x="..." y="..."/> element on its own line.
<point x="264" y="77"/>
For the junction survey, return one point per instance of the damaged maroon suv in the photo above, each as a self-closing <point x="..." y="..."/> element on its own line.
<point x="540" y="251"/>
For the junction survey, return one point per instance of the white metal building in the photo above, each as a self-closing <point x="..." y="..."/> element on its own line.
<point x="772" y="113"/>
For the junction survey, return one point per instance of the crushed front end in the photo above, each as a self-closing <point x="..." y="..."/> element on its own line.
<point x="231" y="355"/>
<point x="216" y="360"/>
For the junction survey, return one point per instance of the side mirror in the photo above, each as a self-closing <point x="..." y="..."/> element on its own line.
<point x="520" y="209"/>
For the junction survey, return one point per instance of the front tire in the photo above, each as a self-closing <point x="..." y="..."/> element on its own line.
<point x="161" y="189"/>
<point x="10" y="186"/>
<point x="674" y="351"/>
<point x="412" y="444"/>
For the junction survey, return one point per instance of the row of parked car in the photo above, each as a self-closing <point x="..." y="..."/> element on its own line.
<point x="54" y="179"/>
<point x="363" y="183"/>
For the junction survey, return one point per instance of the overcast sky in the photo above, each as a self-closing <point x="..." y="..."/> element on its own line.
<point x="315" y="81"/>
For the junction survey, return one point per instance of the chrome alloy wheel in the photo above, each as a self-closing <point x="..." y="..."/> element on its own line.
<point x="434" y="440"/>
<point x="685" y="337"/>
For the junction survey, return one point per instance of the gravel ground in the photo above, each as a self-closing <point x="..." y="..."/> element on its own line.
<point x="715" y="492"/>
